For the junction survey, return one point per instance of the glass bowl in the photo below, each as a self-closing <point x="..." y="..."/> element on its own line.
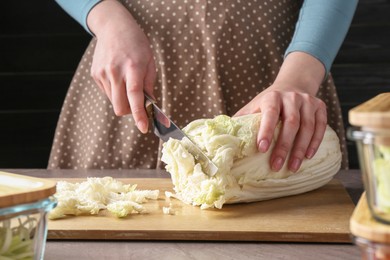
<point x="23" y="229"/>
<point x="373" y="148"/>
<point x="373" y="250"/>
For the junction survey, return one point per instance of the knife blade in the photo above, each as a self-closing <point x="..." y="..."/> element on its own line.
<point x="165" y="128"/>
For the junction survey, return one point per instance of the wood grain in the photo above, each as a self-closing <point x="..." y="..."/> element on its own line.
<point x="363" y="225"/>
<point x="318" y="216"/>
<point x="18" y="189"/>
<point x="374" y="113"/>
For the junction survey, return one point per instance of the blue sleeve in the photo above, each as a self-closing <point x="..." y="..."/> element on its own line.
<point x="78" y="9"/>
<point x="321" y="28"/>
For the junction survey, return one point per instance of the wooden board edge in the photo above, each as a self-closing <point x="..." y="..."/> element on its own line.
<point x="147" y="235"/>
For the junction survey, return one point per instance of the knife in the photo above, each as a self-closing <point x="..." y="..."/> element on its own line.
<point x="164" y="128"/>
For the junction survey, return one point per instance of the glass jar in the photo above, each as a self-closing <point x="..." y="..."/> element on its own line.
<point x="24" y="205"/>
<point x="371" y="121"/>
<point x="373" y="147"/>
<point x="373" y="250"/>
<point x="23" y="229"/>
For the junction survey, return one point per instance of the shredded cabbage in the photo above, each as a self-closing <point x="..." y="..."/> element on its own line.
<point x="96" y="194"/>
<point x="243" y="174"/>
<point x="382" y="173"/>
<point x="17" y="242"/>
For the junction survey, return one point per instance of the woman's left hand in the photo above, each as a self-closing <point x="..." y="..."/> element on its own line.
<point x="291" y="100"/>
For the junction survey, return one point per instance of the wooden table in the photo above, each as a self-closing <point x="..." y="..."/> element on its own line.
<point x="65" y="249"/>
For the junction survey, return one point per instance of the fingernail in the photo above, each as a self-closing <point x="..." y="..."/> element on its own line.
<point x="142" y="127"/>
<point x="310" y="153"/>
<point x="277" y="164"/>
<point x="263" y="145"/>
<point x="295" y="164"/>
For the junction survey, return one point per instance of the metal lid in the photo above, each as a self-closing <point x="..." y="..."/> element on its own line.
<point x="18" y="189"/>
<point x="372" y="114"/>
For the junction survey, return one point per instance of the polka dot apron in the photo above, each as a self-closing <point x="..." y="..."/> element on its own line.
<point x="212" y="58"/>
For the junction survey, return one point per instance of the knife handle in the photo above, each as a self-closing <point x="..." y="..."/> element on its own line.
<point x="149" y="108"/>
<point x="149" y="105"/>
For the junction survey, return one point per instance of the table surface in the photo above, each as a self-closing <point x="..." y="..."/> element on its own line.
<point x="65" y="249"/>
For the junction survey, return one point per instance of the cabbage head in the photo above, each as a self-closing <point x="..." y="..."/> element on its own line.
<point x="244" y="174"/>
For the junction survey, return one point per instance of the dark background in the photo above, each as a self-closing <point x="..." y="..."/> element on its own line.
<point x="40" y="47"/>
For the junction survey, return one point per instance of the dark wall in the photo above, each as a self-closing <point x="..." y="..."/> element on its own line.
<point x="362" y="67"/>
<point x="40" y="47"/>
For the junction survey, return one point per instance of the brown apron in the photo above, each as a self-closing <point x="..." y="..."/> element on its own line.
<point x="212" y="58"/>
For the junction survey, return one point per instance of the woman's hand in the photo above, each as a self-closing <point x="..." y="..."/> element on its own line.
<point x="291" y="100"/>
<point x="123" y="64"/>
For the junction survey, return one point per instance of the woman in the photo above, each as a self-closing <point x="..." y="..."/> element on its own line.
<point x="199" y="59"/>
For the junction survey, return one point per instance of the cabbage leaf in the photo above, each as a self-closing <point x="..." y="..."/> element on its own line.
<point x="244" y="174"/>
<point x="95" y="194"/>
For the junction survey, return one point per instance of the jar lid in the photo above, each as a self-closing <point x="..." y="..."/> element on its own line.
<point x="363" y="225"/>
<point x="374" y="113"/>
<point x="18" y="189"/>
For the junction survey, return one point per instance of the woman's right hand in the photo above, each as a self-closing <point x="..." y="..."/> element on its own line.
<point x="123" y="65"/>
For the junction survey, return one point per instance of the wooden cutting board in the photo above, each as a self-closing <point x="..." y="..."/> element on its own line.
<point x="317" y="216"/>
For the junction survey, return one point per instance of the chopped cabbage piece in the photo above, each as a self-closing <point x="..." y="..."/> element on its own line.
<point x="95" y="194"/>
<point x="382" y="173"/>
<point x="169" y="210"/>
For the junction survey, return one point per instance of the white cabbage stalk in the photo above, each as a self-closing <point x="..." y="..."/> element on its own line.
<point x="244" y="174"/>
<point x="95" y="194"/>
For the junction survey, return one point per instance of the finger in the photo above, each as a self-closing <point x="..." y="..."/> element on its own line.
<point x="320" y="128"/>
<point x="243" y="111"/>
<point x="135" y="96"/>
<point x="104" y="88"/>
<point x="118" y="96"/>
<point x="303" y="137"/>
<point x="102" y="83"/>
<point x="107" y="88"/>
<point x="250" y="108"/>
<point x="150" y="78"/>
<point x="270" y="115"/>
<point x="287" y="133"/>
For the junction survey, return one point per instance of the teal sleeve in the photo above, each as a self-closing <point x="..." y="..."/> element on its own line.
<point x="78" y="9"/>
<point x="321" y="28"/>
